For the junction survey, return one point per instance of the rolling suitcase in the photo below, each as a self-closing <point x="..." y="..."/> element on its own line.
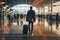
<point x="25" y="29"/>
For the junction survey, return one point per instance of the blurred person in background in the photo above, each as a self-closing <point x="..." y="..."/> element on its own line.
<point x="21" y="18"/>
<point x="10" y="19"/>
<point x="57" y="20"/>
<point x="18" y="19"/>
<point x="15" y="17"/>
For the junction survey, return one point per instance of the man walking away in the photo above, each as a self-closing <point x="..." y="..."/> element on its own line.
<point x="30" y="18"/>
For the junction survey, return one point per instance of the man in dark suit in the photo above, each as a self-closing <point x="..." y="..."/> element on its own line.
<point x="30" y="18"/>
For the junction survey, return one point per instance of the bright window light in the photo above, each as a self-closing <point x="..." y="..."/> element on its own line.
<point x="22" y="8"/>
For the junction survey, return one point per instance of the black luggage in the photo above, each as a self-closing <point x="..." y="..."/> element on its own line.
<point x="25" y="29"/>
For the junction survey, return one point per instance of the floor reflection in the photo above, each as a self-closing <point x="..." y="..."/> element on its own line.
<point x="41" y="28"/>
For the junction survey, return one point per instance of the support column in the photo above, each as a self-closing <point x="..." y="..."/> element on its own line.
<point x="38" y="10"/>
<point x="41" y="10"/>
<point x="51" y="13"/>
<point x="49" y="10"/>
<point x="44" y="9"/>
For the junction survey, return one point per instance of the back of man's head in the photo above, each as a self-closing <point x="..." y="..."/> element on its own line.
<point x="31" y="7"/>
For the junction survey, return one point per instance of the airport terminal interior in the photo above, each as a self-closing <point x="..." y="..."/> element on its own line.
<point x="13" y="15"/>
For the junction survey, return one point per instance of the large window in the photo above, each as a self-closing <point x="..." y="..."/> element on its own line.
<point x="56" y="8"/>
<point x="22" y="8"/>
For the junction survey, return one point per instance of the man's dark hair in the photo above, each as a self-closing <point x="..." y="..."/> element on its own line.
<point x="31" y="7"/>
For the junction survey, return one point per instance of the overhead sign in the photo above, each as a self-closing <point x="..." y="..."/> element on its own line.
<point x="1" y="4"/>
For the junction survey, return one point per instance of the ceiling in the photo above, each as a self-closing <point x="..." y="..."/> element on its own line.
<point x="32" y="2"/>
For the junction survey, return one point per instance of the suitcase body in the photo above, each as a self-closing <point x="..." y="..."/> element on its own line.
<point x="25" y="29"/>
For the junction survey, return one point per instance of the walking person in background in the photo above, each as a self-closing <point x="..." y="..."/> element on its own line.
<point x="18" y="19"/>
<point x="10" y="19"/>
<point x="57" y="25"/>
<point x="21" y="18"/>
<point x="39" y="18"/>
<point x="30" y="19"/>
<point x="15" y="17"/>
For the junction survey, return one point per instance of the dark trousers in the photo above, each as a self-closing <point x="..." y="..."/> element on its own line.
<point x="31" y="24"/>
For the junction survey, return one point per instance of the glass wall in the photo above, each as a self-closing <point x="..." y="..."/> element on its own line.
<point x="56" y="8"/>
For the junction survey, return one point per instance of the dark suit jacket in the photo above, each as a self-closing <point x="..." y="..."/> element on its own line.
<point x="30" y="16"/>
